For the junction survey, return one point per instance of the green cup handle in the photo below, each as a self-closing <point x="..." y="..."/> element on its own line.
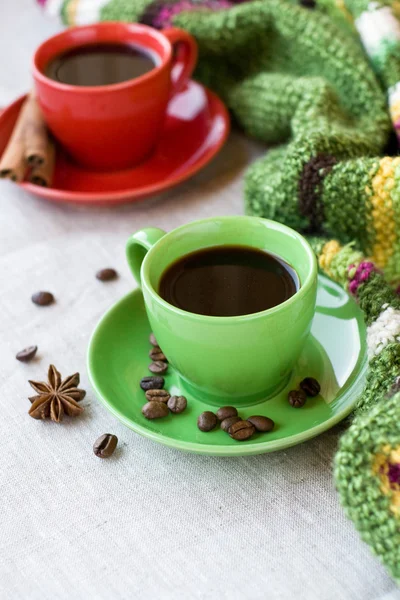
<point x="138" y="246"/>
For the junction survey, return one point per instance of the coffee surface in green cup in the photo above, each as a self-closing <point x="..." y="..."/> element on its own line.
<point x="228" y="281"/>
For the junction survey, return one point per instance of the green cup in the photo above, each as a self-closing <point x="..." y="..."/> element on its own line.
<point x="227" y="360"/>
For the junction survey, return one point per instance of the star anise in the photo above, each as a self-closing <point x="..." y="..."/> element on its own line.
<point x="56" y="397"/>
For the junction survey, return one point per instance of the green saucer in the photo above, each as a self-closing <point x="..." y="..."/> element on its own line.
<point x="335" y="354"/>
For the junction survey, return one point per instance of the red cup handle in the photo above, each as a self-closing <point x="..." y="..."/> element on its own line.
<point x="184" y="48"/>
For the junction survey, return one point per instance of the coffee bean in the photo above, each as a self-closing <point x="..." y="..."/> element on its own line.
<point x="158" y="366"/>
<point x="26" y="354"/>
<point x="177" y="404"/>
<point x="241" y="430"/>
<point x="152" y="383"/>
<point x="261" y="423"/>
<point x="310" y="386"/>
<point x="297" y="398"/>
<point x="225" y="412"/>
<point x="105" y="445"/>
<point x="157" y="354"/>
<point x="157" y="395"/>
<point x="152" y="340"/>
<point x="207" y="421"/>
<point x="226" y="423"/>
<point x="43" y="298"/>
<point x="155" y="410"/>
<point x="106" y="274"/>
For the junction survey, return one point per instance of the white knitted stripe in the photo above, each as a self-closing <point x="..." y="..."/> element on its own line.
<point x="88" y="11"/>
<point x="394" y="94"/>
<point x="376" y="25"/>
<point x="53" y="7"/>
<point x="385" y="330"/>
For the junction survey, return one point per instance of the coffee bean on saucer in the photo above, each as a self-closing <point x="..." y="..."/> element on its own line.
<point x="297" y="398"/>
<point x="157" y="354"/>
<point x="152" y="383"/>
<point x="310" y="386"/>
<point x="155" y="410"/>
<point x="106" y="274"/>
<point x="262" y="424"/>
<point x="177" y="404"/>
<point x="105" y="445"/>
<point x="241" y="430"/>
<point x="225" y="412"/>
<point x="226" y="423"/>
<point x="157" y="395"/>
<point x="152" y="340"/>
<point x="158" y="367"/>
<point x="26" y="354"/>
<point x="207" y="421"/>
<point x="43" y="298"/>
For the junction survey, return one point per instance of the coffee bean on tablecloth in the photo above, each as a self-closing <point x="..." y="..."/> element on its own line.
<point x="157" y="395"/>
<point x="241" y="431"/>
<point x="105" y="445"/>
<point x="310" y="386"/>
<point x="225" y="412"/>
<point x="152" y="340"/>
<point x="42" y="298"/>
<point x="226" y="423"/>
<point x="262" y="424"/>
<point x="157" y="354"/>
<point x="152" y="383"/>
<point x="106" y="274"/>
<point x="297" y="398"/>
<point x="207" y="421"/>
<point x="155" y="410"/>
<point x="158" y="367"/>
<point x="26" y="354"/>
<point x="177" y="404"/>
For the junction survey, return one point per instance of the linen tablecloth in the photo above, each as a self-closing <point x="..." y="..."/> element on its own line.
<point x="150" y="522"/>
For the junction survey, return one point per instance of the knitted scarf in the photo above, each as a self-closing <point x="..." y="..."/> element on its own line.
<point x="321" y="79"/>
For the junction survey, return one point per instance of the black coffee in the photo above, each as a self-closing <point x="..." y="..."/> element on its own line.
<point x="227" y="281"/>
<point x="100" y="64"/>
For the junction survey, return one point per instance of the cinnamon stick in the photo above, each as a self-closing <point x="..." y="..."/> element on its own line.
<point x="35" y="133"/>
<point x="42" y="174"/>
<point x="28" y="144"/>
<point x="12" y="162"/>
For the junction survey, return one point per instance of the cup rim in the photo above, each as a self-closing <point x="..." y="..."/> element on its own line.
<point x="99" y="89"/>
<point x="311" y="277"/>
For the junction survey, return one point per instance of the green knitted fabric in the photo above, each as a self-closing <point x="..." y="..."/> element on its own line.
<point x="316" y="80"/>
<point x="366" y="469"/>
<point x="367" y="464"/>
<point x="309" y="84"/>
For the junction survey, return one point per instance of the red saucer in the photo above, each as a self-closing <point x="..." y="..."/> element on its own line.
<point x="196" y="127"/>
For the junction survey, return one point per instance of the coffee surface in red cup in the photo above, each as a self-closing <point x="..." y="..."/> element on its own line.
<point x="101" y="64"/>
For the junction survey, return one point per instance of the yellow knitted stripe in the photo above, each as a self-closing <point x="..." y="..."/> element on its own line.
<point x="396" y="8"/>
<point x="380" y="468"/>
<point x="342" y="7"/>
<point x="392" y="269"/>
<point x="71" y="11"/>
<point x="395" y="111"/>
<point x="382" y="210"/>
<point x="328" y="252"/>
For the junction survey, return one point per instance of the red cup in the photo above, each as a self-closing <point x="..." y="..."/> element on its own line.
<point x="113" y="126"/>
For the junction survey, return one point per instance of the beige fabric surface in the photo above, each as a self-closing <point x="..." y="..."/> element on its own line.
<point x="149" y="523"/>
